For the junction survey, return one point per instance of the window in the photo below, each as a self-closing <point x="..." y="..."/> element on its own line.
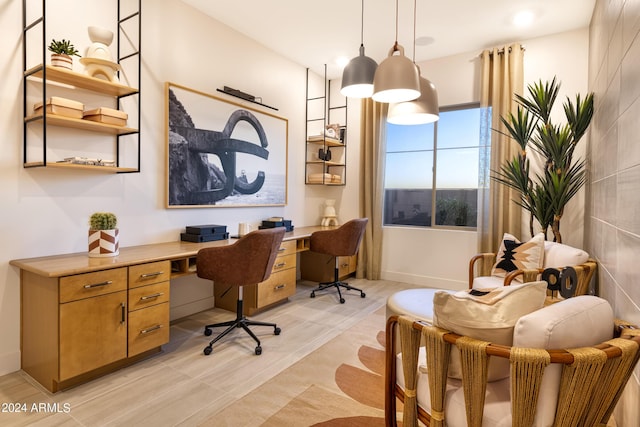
<point x="432" y="170"/>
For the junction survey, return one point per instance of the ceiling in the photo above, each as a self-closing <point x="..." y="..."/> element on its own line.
<point x="314" y="33"/>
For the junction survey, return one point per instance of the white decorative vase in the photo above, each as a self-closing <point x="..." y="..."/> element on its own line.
<point x="104" y="243"/>
<point x="61" y="60"/>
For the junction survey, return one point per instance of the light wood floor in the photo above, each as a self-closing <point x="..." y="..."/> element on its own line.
<point x="181" y="386"/>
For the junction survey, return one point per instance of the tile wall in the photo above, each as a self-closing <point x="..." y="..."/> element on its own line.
<point x="613" y="194"/>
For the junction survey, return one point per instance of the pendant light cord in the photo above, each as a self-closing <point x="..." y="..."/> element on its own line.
<point x="414" y="30"/>
<point x="362" y="24"/>
<point x="395" y="46"/>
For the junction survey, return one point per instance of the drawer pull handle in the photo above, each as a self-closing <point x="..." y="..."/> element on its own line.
<point x="96" y="285"/>
<point x="344" y="265"/>
<point x="151" y="329"/>
<point x="280" y="265"/>
<point x="282" y="249"/>
<point x="280" y="286"/>
<point x="123" y="313"/>
<point x="146" y="297"/>
<point x="149" y="275"/>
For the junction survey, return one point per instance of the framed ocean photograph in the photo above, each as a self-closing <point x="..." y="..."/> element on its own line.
<point x="221" y="153"/>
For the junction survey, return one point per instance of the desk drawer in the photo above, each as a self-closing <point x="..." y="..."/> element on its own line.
<point x="145" y="296"/>
<point x="284" y="262"/>
<point x="287" y="248"/>
<point x="148" y="328"/>
<point x="278" y="286"/>
<point x="88" y="285"/>
<point x="146" y="274"/>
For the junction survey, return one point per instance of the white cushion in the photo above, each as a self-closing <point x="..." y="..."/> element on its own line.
<point x="515" y="255"/>
<point x="557" y="255"/>
<point x="490" y="317"/>
<point x="575" y="322"/>
<point x="497" y="402"/>
<point x="487" y="282"/>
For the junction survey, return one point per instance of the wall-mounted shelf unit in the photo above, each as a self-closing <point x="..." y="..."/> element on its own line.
<point x="325" y="156"/>
<point x="49" y="79"/>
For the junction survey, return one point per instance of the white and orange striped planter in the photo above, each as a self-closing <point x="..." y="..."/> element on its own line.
<point x="103" y="243"/>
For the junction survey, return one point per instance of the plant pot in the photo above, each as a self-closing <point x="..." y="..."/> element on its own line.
<point x="103" y="243"/>
<point x="62" y="60"/>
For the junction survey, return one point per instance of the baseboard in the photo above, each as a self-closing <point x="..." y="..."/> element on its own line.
<point x="9" y="362"/>
<point x="427" y="281"/>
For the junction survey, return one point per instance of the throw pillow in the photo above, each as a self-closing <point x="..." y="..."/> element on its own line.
<point x="515" y="255"/>
<point x="488" y="315"/>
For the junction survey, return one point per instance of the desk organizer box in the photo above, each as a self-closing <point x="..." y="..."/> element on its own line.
<point x="61" y="107"/>
<point x="107" y="116"/>
<point x="286" y="223"/>
<point x="204" y="233"/>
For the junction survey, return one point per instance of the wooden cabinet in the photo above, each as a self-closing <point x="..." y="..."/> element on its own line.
<point x="148" y="306"/>
<point x="40" y="81"/>
<point x="318" y="267"/>
<point x="76" y="326"/>
<point x="326" y="156"/>
<point x="277" y="288"/>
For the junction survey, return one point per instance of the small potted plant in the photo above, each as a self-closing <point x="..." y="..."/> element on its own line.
<point x="103" y="235"/>
<point x="63" y="52"/>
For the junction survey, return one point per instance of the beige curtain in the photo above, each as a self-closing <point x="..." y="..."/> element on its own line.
<point x="502" y="77"/>
<point x="372" y="151"/>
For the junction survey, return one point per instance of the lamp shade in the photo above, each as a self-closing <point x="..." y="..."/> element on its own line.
<point x="420" y="111"/>
<point x="396" y="79"/>
<point x="357" y="76"/>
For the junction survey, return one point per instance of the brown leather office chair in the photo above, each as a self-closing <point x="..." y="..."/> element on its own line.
<point x="342" y="241"/>
<point x="246" y="262"/>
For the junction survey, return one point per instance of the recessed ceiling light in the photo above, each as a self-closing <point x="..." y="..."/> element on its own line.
<point x="424" y="41"/>
<point x="523" y="18"/>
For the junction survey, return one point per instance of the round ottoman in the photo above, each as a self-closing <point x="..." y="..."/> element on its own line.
<point x="417" y="303"/>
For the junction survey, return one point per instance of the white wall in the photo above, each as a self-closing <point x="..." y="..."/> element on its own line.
<point x="45" y="211"/>
<point x="438" y="258"/>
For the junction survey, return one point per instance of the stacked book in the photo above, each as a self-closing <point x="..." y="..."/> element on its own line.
<point x="204" y="233"/>
<point x="277" y="221"/>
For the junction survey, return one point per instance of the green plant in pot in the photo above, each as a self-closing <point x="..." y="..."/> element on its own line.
<point x="545" y="194"/>
<point x="62" y="53"/>
<point x="103" y="235"/>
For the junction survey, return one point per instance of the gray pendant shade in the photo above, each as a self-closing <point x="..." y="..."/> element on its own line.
<point x="420" y="111"/>
<point x="357" y="77"/>
<point x="396" y="79"/>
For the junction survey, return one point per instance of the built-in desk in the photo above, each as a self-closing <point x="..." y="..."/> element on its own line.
<point x="82" y="317"/>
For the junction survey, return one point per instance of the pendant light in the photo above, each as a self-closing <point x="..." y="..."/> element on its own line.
<point x="357" y="77"/>
<point x="396" y="79"/>
<point x="422" y="110"/>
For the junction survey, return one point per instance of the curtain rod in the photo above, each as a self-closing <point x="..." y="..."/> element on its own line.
<point x="501" y="50"/>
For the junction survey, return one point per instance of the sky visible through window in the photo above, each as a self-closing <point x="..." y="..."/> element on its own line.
<point x="410" y="152"/>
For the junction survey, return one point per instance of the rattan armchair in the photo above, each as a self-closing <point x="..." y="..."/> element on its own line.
<point x="588" y="380"/>
<point x="481" y="265"/>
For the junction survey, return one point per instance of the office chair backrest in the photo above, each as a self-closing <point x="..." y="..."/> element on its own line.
<point x="245" y="262"/>
<point x="342" y="241"/>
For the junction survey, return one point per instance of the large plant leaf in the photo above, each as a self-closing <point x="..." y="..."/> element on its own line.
<point x="520" y="127"/>
<point x="541" y="98"/>
<point x="579" y="115"/>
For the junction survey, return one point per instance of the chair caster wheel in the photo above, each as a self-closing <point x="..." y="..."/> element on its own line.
<point x="258" y="351"/>
<point x="341" y="300"/>
<point x="207" y="350"/>
<point x="277" y="331"/>
<point x="313" y="294"/>
<point x="362" y="295"/>
<point x="208" y="332"/>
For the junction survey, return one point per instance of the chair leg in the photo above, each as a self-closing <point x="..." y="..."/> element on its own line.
<point x="337" y="284"/>
<point x="240" y="322"/>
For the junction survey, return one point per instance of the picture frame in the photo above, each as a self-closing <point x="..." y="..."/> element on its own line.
<point x="221" y="153"/>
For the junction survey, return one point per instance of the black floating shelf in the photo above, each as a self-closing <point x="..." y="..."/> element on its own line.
<point x="245" y="99"/>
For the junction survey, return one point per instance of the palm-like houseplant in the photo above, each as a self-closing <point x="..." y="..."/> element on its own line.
<point x="546" y="193"/>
